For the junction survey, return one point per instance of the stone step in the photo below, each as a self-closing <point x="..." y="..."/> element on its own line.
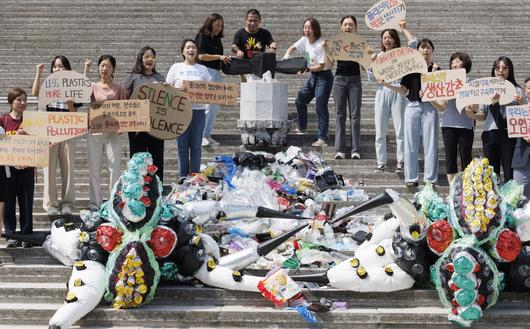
<point x="160" y="315"/>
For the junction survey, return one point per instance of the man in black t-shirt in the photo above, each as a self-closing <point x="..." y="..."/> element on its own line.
<point x="252" y="38"/>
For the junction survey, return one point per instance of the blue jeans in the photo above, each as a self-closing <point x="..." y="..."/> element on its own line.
<point x="189" y="145"/>
<point x="388" y="103"/>
<point x="318" y="85"/>
<point x="211" y="109"/>
<point x="421" y="121"/>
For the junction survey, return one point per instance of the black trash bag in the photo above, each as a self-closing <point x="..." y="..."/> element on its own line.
<point x="291" y="65"/>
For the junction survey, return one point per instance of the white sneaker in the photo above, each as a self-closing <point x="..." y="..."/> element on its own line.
<point x="52" y="211"/>
<point x="66" y="210"/>
<point x="320" y="142"/>
<point x="356" y="155"/>
<point x="213" y="141"/>
<point x="339" y="155"/>
<point x="205" y="142"/>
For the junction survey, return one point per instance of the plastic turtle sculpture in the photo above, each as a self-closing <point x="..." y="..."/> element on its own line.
<point x="136" y="239"/>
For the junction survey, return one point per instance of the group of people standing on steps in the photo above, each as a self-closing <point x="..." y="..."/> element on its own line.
<point x="415" y="122"/>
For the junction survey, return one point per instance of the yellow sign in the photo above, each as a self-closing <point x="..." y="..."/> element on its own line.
<point x="24" y="151"/>
<point x="57" y="126"/>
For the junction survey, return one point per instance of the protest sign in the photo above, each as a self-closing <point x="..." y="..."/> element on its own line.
<point x="169" y="110"/>
<point x="120" y="116"/>
<point x="57" y="126"/>
<point x="385" y="14"/>
<point x="24" y="150"/>
<point x="442" y="85"/>
<point x="480" y="91"/>
<point x="398" y="62"/>
<point x="64" y="85"/>
<point x="349" y="47"/>
<point x="518" y="120"/>
<point x="205" y="92"/>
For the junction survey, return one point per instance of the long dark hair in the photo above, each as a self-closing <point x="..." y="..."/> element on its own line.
<point x="508" y="62"/>
<point x="139" y="65"/>
<point x="394" y="35"/>
<point x="64" y="60"/>
<point x="207" y="26"/>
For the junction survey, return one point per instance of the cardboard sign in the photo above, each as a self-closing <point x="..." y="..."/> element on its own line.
<point x="120" y="116"/>
<point x="442" y="85"/>
<point x="398" y="62"/>
<point x="385" y="14"/>
<point x="169" y="109"/>
<point x="518" y="120"/>
<point x="205" y="92"/>
<point x="24" y="150"/>
<point x="349" y="47"/>
<point x="57" y="126"/>
<point x="64" y="85"/>
<point x="480" y="91"/>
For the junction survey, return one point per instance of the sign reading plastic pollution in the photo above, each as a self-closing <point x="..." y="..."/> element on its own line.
<point x="480" y="91"/>
<point x="24" y="150"/>
<point x="396" y="63"/>
<point x="169" y="109"/>
<point x="442" y="85"/>
<point x="57" y="126"/>
<point x="518" y="120"/>
<point x="120" y="116"/>
<point x="385" y="14"/>
<point x="349" y="47"/>
<point x="205" y="92"/>
<point x="64" y="85"/>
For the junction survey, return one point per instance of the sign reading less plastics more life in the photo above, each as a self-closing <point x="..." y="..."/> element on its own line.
<point x="205" y="92"/>
<point x="385" y="14"/>
<point x="442" y="85"/>
<point x="480" y="91"/>
<point x="57" y="126"/>
<point x="120" y="116"/>
<point x="349" y="47"/>
<point x="24" y="150"/>
<point x="64" y="85"/>
<point x="396" y="63"/>
<point x="169" y="109"/>
<point x="518" y="120"/>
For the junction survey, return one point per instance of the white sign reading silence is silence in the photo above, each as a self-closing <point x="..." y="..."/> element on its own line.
<point x="385" y="14"/>
<point x="349" y="47"/>
<point x="65" y="85"/>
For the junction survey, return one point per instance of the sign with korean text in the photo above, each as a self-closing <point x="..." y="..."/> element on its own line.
<point x="120" y="116"/>
<point x="385" y="14"/>
<point x="396" y="63"/>
<point x="205" y="92"/>
<point x="480" y="91"/>
<point x="57" y="126"/>
<point x="65" y="85"/>
<point x="170" y="110"/>
<point x="442" y="85"/>
<point x="24" y="151"/>
<point x="518" y="120"/>
<point x="349" y="47"/>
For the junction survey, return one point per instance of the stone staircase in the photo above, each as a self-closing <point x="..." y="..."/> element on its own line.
<point x="32" y="284"/>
